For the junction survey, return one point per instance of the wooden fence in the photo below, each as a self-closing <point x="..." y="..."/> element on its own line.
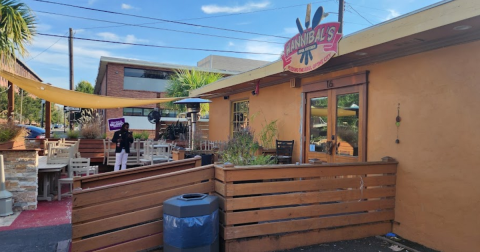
<point x="135" y="173"/>
<point x="262" y="208"/>
<point x="283" y="207"/>
<point x="127" y="216"/>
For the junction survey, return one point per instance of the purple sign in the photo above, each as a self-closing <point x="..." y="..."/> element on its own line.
<point x="115" y="123"/>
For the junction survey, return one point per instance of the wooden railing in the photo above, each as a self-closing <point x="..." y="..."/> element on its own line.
<point x="262" y="208"/>
<point x="281" y="207"/>
<point x="127" y="216"/>
<point x="135" y="173"/>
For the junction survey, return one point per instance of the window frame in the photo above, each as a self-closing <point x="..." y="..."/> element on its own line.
<point x="232" y="114"/>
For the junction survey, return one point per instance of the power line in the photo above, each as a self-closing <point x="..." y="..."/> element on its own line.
<point x="359" y="13"/>
<point x="157" y="46"/>
<point x="216" y="16"/>
<point x="44" y="50"/>
<point x="157" y="28"/>
<point x="158" y="19"/>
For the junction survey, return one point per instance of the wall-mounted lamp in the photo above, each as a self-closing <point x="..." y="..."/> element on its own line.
<point x="253" y="92"/>
<point x="226" y="97"/>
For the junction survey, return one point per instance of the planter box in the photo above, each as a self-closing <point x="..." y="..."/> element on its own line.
<point x="278" y="207"/>
<point x="13" y="145"/>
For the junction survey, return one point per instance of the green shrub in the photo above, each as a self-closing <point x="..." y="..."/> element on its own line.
<point x="57" y="135"/>
<point x="73" y="134"/>
<point x="10" y="131"/>
<point x="241" y="150"/>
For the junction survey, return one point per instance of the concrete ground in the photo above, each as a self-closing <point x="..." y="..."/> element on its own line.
<point x="370" y="244"/>
<point x="37" y="239"/>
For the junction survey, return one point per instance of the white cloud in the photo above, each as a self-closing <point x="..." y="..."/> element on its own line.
<point x="115" y="37"/>
<point x="108" y="36"/>
<point x="393" y="14"/>
<point x="126" y="6"/>
<point x="258" y="47"/>
<point x="213" y="8"/>
<point x="43" y="27"/>
<point x="290" y="30"/>
<point x="90" y="2"/>
<point x="231" y="43"/>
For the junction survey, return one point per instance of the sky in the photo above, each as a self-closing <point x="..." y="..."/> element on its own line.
<point x="269" y="19"/>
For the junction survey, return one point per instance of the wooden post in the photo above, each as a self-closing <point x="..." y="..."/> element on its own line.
<point x="158" y="124"/>
<point x="70" y="55"/>
<point x="48" y="117"/>
<point x="341" y="6"/>
<point x="11" y="102"/>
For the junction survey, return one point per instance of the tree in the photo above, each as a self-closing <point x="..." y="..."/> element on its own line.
<point x="85" y="87"/>
<point x="17" y="27"/>
<point x="182" y="81"/>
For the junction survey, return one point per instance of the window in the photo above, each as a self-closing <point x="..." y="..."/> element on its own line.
<point x="146" y="111"/>
<point x="239" y="116"/>
<point x="145" y="79"/>
<point x="146" y="73"/>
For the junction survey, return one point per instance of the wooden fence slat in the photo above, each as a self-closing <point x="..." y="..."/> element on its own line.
<point x="220" y="188"/>
<point x="306" y="224"/>
<point x="305" y="198"/>
<point x="146" y="186"/>
<point x="108" y="178"/>
<point x="117" y="237"/>
<point x="136" y="245"/>
<point x="307" y="185"/>
<point x="306" y="211"/>
<point x="239" y="174"/>
<point x="123" y="220"/>
<point x="135" y="203"/>
<point x="300" y="239"/>
<point x="219" y="173"/>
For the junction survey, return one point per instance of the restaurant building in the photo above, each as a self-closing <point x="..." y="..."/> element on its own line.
<point x="406" y="88"/>
<point x="130" y="78"/>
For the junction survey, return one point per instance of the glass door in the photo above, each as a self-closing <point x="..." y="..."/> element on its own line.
<point x="335" y="125"/>
<point x="318" y="130"/>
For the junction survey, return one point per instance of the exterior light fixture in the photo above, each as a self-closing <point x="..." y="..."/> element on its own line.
<point x="462" y="27"/>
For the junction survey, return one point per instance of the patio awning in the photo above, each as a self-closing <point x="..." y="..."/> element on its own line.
<point x="77" y="99"/>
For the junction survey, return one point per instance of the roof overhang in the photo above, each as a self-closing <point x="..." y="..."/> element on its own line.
<point x="104" y="61"/>
<point x="423" y="30"/>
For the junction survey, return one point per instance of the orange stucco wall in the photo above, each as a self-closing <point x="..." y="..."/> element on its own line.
<point x="279" y="102"/>
<point x="438" y="188"/>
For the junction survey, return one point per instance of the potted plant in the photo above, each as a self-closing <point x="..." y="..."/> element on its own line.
<point x="12" y="136"/>
<point x="241" y="150"/>
<point x="267" y="136"/>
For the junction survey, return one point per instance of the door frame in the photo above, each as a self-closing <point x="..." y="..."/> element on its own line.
<point x="357" y="82"/>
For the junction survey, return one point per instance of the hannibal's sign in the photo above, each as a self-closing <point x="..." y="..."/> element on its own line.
<point x="311" y="47"/>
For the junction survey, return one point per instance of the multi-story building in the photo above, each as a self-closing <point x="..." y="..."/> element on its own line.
<point x="141" y="79"/>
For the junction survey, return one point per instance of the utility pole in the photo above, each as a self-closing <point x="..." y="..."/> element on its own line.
<point x="341" y="7"/>
<point x="70" y="56"/>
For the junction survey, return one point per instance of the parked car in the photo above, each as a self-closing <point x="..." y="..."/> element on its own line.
<point x="34" y="132"/>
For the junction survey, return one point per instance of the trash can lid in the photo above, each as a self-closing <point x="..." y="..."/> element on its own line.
<point x="190" y="205"/>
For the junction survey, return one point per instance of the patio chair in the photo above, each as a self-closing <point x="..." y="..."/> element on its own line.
<point x="284" y="151"/>
<point x="77" y="167"/>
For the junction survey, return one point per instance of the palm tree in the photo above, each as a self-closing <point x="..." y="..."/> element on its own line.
<point x="17" y="27"/>
<point x="182" y="81"/>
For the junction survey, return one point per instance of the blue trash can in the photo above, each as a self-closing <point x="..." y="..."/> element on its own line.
<point x="190" y="223"/>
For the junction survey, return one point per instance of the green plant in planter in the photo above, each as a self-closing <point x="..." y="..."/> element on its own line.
<point x="269" y="132"/>
<point x="241" y="149"/>
<point x="11" y="132"/>
<point x="348" y="134"/>
<point x="141" y="135"/>
<point x="73" y="134"/>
